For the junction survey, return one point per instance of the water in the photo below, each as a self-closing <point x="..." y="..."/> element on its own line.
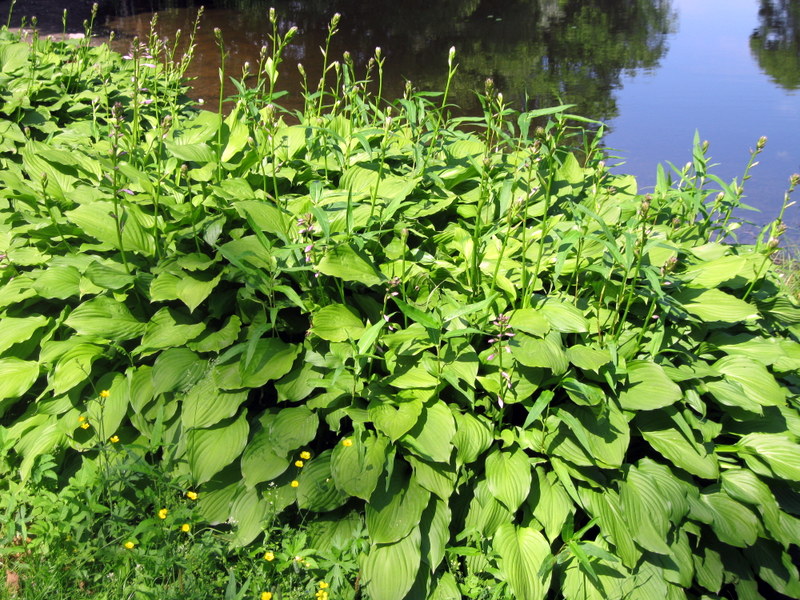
<point x="655" y="71"/>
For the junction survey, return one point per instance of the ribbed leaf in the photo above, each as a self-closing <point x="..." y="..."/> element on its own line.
<point x="508" y="475"/>
<point x="344" y="262"/>
<point x="337" y="323"/>
<point x="317" y="490"/>
<point x="649" y="387"/>
<point x="357" y="468"/>
<point x="210" y="450"/>
<point x="14" y="330"/>
<point x="716" y="305"/>
<point x="394" y="509"/>
<point x="522" y="551"/>
<point x="105" y="318"/>
<point x="779" y="452"/>
<point x="733" y="523"/>
<point x="272" y="359"/>
<point x="431" y="437"/>
<point x="389" y="570"/>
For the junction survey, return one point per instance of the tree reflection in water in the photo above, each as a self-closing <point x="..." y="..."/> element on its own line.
<point x="776" y="42"/>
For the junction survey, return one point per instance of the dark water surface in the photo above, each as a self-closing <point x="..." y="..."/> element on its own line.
<point x="654" y="70"/>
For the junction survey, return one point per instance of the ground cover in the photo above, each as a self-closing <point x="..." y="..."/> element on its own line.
<point x="372" y="351"/>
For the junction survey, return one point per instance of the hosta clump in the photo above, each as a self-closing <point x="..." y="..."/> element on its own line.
<point x="510" y="369"/>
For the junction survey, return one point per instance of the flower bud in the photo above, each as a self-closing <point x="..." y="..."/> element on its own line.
<point x="762" y="141"/>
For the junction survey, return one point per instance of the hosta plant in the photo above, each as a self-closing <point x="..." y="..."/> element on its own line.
<point x="462" y="341"/>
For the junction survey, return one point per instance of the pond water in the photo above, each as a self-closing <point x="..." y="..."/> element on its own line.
<point x="655" y="71"/>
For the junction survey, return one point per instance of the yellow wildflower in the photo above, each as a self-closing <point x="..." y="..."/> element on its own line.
<point x="298" y="558"/>
<point x="114" y="439"/>
<point x="298" y="463"/>
<point x="305" y="455"/>
<point x="81" y="419"/>
<point x="323" y="585"/>
<point x="269" y="556"/>
<point x="85" y="425"/>
<point x="191" y="495"/>
<point x="186" y="528"/>
<point x="162" y="514"/>
<point x="105" y="394"/>
<point x="129" y="545"/>
<point x="266" y="595"/>
<point x="347" y="442"/>
<point x="295" y="483"/>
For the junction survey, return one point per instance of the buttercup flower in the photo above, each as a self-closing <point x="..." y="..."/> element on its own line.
<point x="266" y="595"/>
<point x="113" y="439"/>
<point x="323" y="585"/>
<point x="186" y="528"/>
<point x="305" y="455"/>
<point x="81" y="419"/>
<point x="347" y="442"/>
<point x="162" y="514"/>
<point x="129" y="545"/>
<point x="269" y="556"/>
<point x="191" y="495"/>
<point x="298" y="463"/>
<point x="105" y="394"/>
<point x="85" y="425"/>
<point x="295" y="483"/>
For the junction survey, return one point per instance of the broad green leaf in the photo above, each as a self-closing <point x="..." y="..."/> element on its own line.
<point x="248" y="511"/>
<point x="215" y="341"/>
<point x="550" y="503"/>
<point x="563" y="317"/>
<point x="432" y="435"/>
<point x="260" y="462"/>
<point x="357" y="468"/>
<point x="532" y="352"/>
<point x="199" y="153"/>
<point x="337" y="323"/>
<point x="176" y="369"/>
<point x="205" y="404"/>
<point x="395" y="508"/>
<point x="437" y="478"/>
<point x="522" y="551"/>
<point x="587" y="358"/>
<point x="603" y="437"/>
<point x="708" y="568"/>
<point x="607" y="507"/>
<point x="648" y="387"/>
<point x="106" y="318"/>
<point x="58" y="282"/>
<point x="42" y="439"/>
<point x="293" y="428"/>
<point x="716" y="305"/>
<point x="508" y="475"/>
<point x="733" y="523"/>
<point x="394" y="420"/>
<point x="666" y="431"/>
<point x="15" y="330"/>
<point x="74" y="367"/>
<point x="317" y="490"/>
<point x="646" y="511"/>
<point x="779" y="452"/>
<point x="16" y="377"/>
<point x="108" y="277"/>
<point x="473" y="437"/>
<point x="344" y="262"/>
<point x="194" y="288"/>
<point x="169" y="328"/>
<point x="758" y="384"/>
<point x="272" y="359"/>
<point x="97" y="219"/>
<point x="435" y="527"/>
<point x="389" y="570"/>
<point x="210" y="450"/>
<point x="485" y="513"/>
<point x="530" y="321"/>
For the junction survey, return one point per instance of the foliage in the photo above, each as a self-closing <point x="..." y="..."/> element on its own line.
<point x="440" y="357"/>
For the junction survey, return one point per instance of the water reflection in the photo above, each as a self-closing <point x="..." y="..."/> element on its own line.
<point x="537" y="51"/>
<point x="776" y="42"/>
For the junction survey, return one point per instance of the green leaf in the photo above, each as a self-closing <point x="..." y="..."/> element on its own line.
<point x="205" y="404"/>
<point x="345" y="262"/>
<point x="108" y="277"/>
<point x="74" y="367"/>
<point x="169" y="328"/>
<point x="550" y="503"/>
<point x="395" y="419"/>
<point x="716" y="306"/>
<point x="437" y="478"/>
<point x="666" y="431"/>
<point x="211" y="450"/>
<point x="58" y="282"/>
<point x="356" y="469"/>
<point x="473" y="437"/>
<point x="16" y="377"/>
<point x="522" y="551"/>
<point x="15" y="330"/>
<point x="106" y="318"/>
<point x="317" y="490"/>
<point x="395" y="508"/>
<point x="587" y="358"/>
<point x="247" y="511"/>
<point x="532" y="352"/>
<point x="646" y="511"/>
<point x="432" y="435"/>
<point x="260" y="462"/>
<point x="192" y="289"/>
<point x="389" y="570"/>
<point x="563" y="317"/>
<point x="530" y="321"/>
<point x="337" y="323"/>
<point x="779" y="452"/>
<point x="508" y="475"/>
<point x="293" y="428"/>
<point x="215" y="341"/>
<point x="176" y="369"/>
<point x="758" y="384"/>
<point x="648" y="387"/>
<point x="733" y="523"/>
<point x="271" y="360"/>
